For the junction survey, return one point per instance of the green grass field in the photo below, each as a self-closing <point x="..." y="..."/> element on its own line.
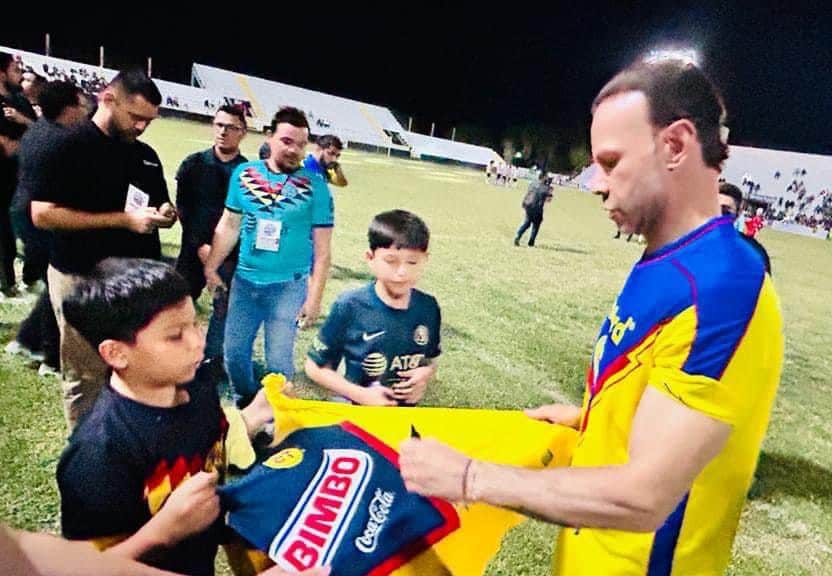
<point x="518" y="328"/>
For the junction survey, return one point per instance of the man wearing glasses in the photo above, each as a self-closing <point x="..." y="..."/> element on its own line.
<point x="201" y="186"/>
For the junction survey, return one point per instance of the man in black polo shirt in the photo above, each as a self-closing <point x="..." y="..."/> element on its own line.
<point x="201" y="188"/>
<point x="102" y="194"/>
<point x="15" y="106"/>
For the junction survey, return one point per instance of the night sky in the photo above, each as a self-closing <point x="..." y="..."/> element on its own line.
<point x="494" y="67"/>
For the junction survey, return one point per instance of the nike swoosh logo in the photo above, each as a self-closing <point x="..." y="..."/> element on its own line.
<point x="149" y="163"/>
<point x="367" y="337"/>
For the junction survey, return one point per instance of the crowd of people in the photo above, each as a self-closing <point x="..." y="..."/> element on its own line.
<point x="681" y="380"/>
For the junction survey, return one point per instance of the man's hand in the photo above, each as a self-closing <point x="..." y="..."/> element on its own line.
<point x="213" y="280"/>
<point x="412" y="389"/>
<point x="144" y="220"/>
<point x="375" y="395"/>
<point x="16" y="116"/>
<point x="190" y="509"/>
<point x="564" y="414"/>
<point x="309" y="312"/>
<point x="168" y="212"/>
<point x="431" y="468"/>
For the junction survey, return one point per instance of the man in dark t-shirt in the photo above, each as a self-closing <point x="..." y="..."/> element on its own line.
<point x="102" y="194"/>
<point x="13" y="104"/>
<point x="201" y="188"/>
<point x="540" y="192"/>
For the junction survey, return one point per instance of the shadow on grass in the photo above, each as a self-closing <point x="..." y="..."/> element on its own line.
<point x="455" y="333"/>
<point x="560" y="248"/>
<point x="783" y="474"/>
<point x="344" y="273"/>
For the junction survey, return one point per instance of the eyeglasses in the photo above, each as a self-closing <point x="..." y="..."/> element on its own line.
<point x="230" y="127"/>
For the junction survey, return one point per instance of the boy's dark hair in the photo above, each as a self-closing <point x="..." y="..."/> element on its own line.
<point x="122" y="296"/>
<point x="330" y="140"/>
<point x="289" y="115"/>
<point x="56" y="97"/>
<point x="135" y="82"/>
<point x="11" y="130"/>
<point x="674" y="90"/>
<point x="732" y="191"/>
<point x="234" y="110"/>
<point x="398" y="229"/>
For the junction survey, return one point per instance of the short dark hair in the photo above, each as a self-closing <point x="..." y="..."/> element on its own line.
<point x="732" y="191"/>
<point x="11" y="130"/>
<point x="289" y="115"/>
<point x="121" y="297"/>
<point x="57" y="96"/>
<point x="398" y="229"/>
<point x="674" y="90"/>
<point x="135" y="82"/>
<point x="5" y="61"/>
<point x="234" y="110"/>
<point x="328" y="140"/>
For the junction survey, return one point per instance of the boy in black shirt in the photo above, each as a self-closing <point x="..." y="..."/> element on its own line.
<point x="139" y="474"/>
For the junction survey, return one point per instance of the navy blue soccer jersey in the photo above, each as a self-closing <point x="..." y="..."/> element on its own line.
<point x="334" y="496"/>
<point x="376" y="341"/>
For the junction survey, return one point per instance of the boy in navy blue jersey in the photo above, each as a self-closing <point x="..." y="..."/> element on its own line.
<point x="387" y="333"/>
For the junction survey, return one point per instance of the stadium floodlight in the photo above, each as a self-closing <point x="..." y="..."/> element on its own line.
<point x="689" y="55"/>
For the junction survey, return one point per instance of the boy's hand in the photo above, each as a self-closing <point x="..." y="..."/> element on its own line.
<point x="257" y="413"/>
<point x="213" y="280"/>
<point x="191" y="508"/>
<point x="376" y="395"/>
<point x="412" y="390"/>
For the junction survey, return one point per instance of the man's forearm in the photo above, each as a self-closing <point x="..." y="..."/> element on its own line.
<point x="317" y="282"/>
<point x="60" y="218"/>
<point x="225" y="238"/>
<point x="599" y="497"/>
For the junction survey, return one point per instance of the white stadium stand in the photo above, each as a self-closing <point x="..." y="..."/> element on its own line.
<point x="353" y="121"/>
<point x="429" y="147"/>
<point x="350" y="120"/>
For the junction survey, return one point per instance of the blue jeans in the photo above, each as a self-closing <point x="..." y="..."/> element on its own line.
<point x="275" y="306"/>
<point x="219" y="312"/>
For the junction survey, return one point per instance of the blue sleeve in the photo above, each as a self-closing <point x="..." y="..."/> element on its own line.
<point x="436" y="343"/>
<point x="328" y="346"/>
<point x="234" y="199"/>
<point x="323" y="209"/>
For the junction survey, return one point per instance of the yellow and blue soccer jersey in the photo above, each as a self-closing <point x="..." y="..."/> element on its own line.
<point x="699" y="321"/>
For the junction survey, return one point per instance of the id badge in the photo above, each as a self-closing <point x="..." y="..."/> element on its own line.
<point x="136" y="199"/>
<point x="268" y="235"/>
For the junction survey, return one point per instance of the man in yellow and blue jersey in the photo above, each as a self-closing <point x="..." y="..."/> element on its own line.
<point x="684" y="370"/>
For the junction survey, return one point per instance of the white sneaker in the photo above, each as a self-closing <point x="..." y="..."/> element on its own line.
<point x="15" y="348"/>
<point x="47" y="370"/>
